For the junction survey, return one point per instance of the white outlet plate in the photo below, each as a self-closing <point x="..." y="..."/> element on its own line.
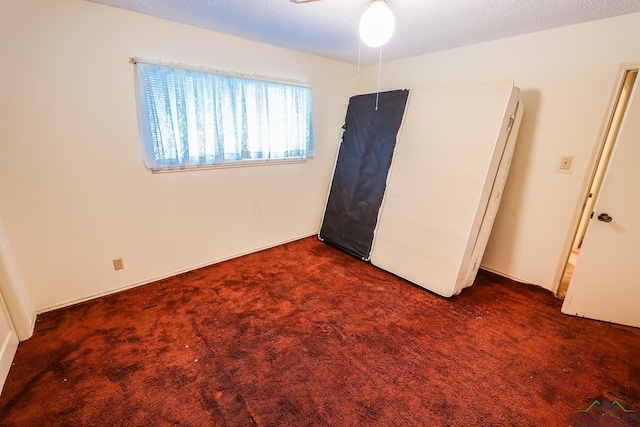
<point x="118" y="264"/>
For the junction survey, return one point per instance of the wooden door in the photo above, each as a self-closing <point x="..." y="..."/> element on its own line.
<point x="606" y="281"/>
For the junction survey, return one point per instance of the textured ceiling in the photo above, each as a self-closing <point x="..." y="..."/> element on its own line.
<point x="329" y="28"/>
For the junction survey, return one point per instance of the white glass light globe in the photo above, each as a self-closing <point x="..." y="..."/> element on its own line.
<point x="377" y="24"/>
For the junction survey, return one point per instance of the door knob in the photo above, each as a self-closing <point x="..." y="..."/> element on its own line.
<point x="604" y="217"/>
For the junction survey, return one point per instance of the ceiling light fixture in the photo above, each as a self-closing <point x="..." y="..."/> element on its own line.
<point x="377" y="24"/>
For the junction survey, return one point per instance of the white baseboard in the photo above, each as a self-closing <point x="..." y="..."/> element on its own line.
<point x="164" y="276"/>
<point x="503" y="274"/>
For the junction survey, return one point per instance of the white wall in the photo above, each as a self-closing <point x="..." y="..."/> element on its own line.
<point x="566" y="76"/>
<point x="74" y="192"/>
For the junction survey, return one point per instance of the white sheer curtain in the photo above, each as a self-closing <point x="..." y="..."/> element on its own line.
<point x="193" y="118"/>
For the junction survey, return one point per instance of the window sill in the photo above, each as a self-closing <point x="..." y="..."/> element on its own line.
<point x="226" y="165"/>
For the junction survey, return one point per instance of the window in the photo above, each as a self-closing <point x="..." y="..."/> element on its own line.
<point x="194" y="118"/>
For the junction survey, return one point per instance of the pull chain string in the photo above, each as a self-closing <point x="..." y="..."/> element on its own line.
<point x="359" y="51"/>
<point x="378" y="88"/>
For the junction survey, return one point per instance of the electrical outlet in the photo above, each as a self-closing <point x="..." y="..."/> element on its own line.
<point x="118" y="264"/>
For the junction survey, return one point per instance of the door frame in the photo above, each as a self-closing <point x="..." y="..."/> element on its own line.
<point x="8" y="344"/>
<point x="13" y="289"/>
<point x="595" y="158"/>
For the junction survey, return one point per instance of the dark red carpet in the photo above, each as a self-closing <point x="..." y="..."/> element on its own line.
<point x="305" y="335"/>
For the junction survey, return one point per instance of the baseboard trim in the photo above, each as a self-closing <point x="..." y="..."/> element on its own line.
<point x="164" y="276"/>
<point x="503" y="274"/>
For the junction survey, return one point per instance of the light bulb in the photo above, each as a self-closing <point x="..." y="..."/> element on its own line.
<point x="377" y="24"/>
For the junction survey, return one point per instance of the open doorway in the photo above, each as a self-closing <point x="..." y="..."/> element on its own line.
<point x="610" y="137"/>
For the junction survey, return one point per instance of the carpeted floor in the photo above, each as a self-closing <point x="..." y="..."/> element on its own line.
<point x="305" y="335"/>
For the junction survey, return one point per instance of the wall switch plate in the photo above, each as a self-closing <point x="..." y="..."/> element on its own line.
<point x="118" y="264"/>
<point x="566" y="163"/>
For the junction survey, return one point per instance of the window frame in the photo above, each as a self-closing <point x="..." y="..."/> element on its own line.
<point x="147" y="142"/>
